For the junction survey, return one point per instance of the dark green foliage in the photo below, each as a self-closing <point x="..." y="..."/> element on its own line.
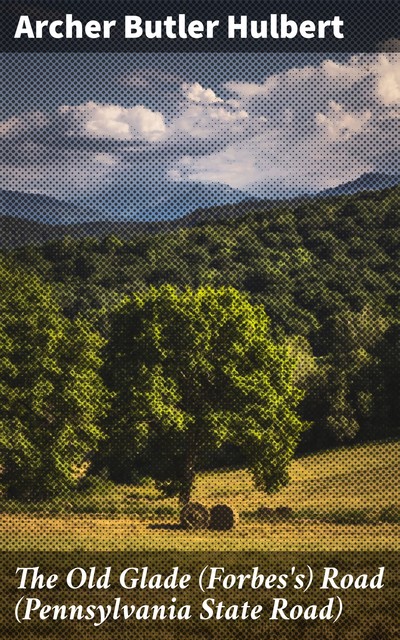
<point x="319" y="258"/>
<point x="310" y="263"/>
<point x="51" y="395"/>
<point x="191" y="370"/>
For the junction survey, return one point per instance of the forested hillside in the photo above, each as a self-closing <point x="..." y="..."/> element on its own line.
<point x="326" y="271"/>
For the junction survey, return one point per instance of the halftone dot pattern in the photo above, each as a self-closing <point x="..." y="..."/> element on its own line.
<point x="200" y="296"/>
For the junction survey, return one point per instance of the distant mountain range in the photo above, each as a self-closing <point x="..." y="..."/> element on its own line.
<point x="182" y="199"/>
<point x="30" y="218"/>
<point x="366" y="182"/>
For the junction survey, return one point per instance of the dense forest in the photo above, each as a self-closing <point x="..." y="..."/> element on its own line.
<point x="325" y="270"/>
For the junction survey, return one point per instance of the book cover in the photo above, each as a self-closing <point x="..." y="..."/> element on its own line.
<point x="199" y="320"/>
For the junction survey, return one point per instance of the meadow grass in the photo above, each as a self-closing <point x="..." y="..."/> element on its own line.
<point x="344" y="498"/>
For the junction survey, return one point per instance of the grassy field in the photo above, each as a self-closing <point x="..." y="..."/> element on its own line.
<point x="343" y="499"/>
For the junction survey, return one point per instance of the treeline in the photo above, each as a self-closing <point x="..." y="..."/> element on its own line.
<point x="305" y="262"/>
<point x="182" y="373"/>
<point x="325" y="271"/>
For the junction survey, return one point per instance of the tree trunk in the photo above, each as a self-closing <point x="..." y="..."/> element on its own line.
<point x="189" y="470"/>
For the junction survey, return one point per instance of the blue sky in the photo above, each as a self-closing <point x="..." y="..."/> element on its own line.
<point x="141" y="135"/>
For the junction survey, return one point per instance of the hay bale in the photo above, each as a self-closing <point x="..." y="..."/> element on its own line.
<point x="222" y="518"/>
<point x="195" y="516"/>
<point x="284" y="513"/>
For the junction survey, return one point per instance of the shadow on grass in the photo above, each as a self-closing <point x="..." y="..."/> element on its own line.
<point x="167" y="526"/>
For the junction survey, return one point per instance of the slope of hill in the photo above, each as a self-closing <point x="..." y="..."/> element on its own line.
<point x="42" y="209"/>
<point x="329" y="515"/>
<point x="35" y="219"/>
<point x="367" y="182"/>
<point x="305" y="259"/>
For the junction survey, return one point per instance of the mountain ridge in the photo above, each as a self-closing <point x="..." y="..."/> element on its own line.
<point x="36" y="228"/>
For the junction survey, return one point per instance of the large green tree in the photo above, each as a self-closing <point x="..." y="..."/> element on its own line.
<point x="51" y="395"/>
<point x="192" y="370"/>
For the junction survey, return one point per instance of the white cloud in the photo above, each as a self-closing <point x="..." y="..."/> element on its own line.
<point x="175" y="175"/>
<point x="387" y="71"/>
<point x="319" y="125"/>
<point x="196" y="93"/>
<point x="251" y="89"/>
<point x="228" y="116"/>
<point x="342" y="124"/>
<point x="299" y="130"/>
<point x="106" y="122"/>
<point x="314" y="81"/>
<point x="77" y="173"/>
<point x="233" y="167"/>
<point x="347" y="73"/>
<point x="210" y="121"/>
<point x="115" y="122"/>
<point x="328" y="77"/>
<point x="271" y="165"/>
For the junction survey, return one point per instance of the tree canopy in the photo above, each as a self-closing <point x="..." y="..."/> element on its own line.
<point x="191" y="370"/>
<point x="325" y="270"/>
<point x="51" y="395"/>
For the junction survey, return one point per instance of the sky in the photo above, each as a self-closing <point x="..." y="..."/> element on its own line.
<point x="143" y="136"/>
